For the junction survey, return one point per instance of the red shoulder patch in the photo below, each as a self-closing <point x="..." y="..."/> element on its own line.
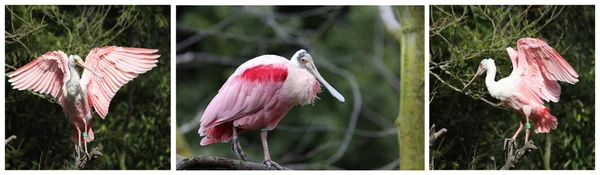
<point x="266" y="73"/>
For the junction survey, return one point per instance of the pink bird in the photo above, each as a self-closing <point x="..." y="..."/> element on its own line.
<point x="258" y="94"/>
<point x="106" y="70"/>
<point x="536" y="69"/>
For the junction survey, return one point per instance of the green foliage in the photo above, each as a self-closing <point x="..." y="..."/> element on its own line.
<point x="136" y="131"/>
<point x="461" y="36"/>
<point x="340" y="39"/>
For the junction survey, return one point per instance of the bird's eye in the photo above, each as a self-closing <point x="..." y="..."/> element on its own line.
<point x="303" y="60"/>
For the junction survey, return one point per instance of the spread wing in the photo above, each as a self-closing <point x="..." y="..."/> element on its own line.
<point x="118" y="65"/>
<point x="251" y="88"/>
<point x="540" y="67"/>
<point x="45" y="74"/>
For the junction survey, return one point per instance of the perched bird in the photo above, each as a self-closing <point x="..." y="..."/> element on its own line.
<point x="258" y="94"/>
<point x="536" y="69"/>
<point x="106" y="70"/>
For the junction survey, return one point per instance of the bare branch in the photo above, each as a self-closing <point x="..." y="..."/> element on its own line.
<point x="231" y="36"/>
<point x="360" y="132"/>
<point x="308" y="13"/>
<point x="219" y="163"/>
<point x="498" y="105"/>
<point x="389" y="18"/>
<point x="377" y="61"/>
<point x="10" y="139"/>
<point x="312" y="153"/>
<point x="433" y="136"/>
<point x="357" y="99"/>
<point x="513" y="157"/>
<point x="390" y="166"/>
<point x="191" y="59"/>
<point x="200" y="35"/>
<point x="377" y="118"/>
<point x="82" y="162"/>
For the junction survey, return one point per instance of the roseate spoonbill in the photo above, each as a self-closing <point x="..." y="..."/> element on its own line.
<point x="106" y="70"/>
<point x="258" y="94"/>
<point x="536" y="69"/>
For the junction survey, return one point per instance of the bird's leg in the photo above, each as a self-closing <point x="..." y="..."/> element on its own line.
<point x="268" y="161"/>
<point x="235" y="144"/>
<point x="85" y="135"/>
<point x="513" y="139"/>
<point x="527" y="126"/>
<point x="77" y="152"/>
<point x="78" y="146"/>
<point x="527" y="111"/>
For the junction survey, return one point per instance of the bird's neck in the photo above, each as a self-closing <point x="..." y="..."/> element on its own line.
<point x="73" y="75"/>
<point x="71" y="87"/>
<point x="491" y="75"/>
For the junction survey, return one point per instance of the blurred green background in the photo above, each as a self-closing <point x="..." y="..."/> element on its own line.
<point x="350" y="47"/>
<point x="136" y="131"/>
<point x="460" y="37"/>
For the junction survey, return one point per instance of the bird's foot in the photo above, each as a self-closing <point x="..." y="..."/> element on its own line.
<point x="237" y="149"/>
<point x="275" y="164"/>
<point x="77" y="151"/>
<point x="510" y="142"/>
<point x="81" y="149"/>
<point x="242" y="156"/>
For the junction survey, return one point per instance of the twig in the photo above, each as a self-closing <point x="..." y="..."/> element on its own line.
<point x="391" y="165"/>
<point x="81" y="162"/>
<point x="10" y="139"/>
<point x="200" y="35"/>
<point x="433" y="136"/>
<point x="377" y="62"/>
<point x="357" y="97"/>
<point x="219" y="163"/>
<point x="389" y="18"/>
<point x="513" y="157"/>
<point x="191" y="59"/>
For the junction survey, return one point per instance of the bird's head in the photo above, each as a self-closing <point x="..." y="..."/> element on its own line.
<point x="484" y="65"/>
<point x="76" y="60"/>
<point x="304" y="61"/>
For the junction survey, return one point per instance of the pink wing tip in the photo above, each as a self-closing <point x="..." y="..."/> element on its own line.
<point x="206" y="141"/>
<point x="140" y="50"/>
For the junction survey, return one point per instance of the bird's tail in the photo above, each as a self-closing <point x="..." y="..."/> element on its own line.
<point x="544" y="121"/>
<point x="89" y="133"/>
<point x="219" y="133"/>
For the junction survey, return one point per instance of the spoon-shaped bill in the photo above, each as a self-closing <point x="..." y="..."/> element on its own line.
<point x="479" y="72"/>
<point x="79" y="62"/>
<point x="335" y="93"/>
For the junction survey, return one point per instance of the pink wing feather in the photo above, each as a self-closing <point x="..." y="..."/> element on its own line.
<point x="45" y="74"/>
<point x="253" y="87"/>
<point x="541" y="67"/>
<point x="118" y="65"/>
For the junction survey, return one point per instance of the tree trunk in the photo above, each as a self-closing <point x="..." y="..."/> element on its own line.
<point x="410" y="121"/>
<point x="547" y="151"/>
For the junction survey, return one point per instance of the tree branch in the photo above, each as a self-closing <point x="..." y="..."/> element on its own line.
<point x="82" y="161"/>
<point x="219" y="163"/>
<point x="513" y="157"/>
<point x="389" y="19"/>
<point x="10" y="139"/>
<point x="433" y="136"/>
